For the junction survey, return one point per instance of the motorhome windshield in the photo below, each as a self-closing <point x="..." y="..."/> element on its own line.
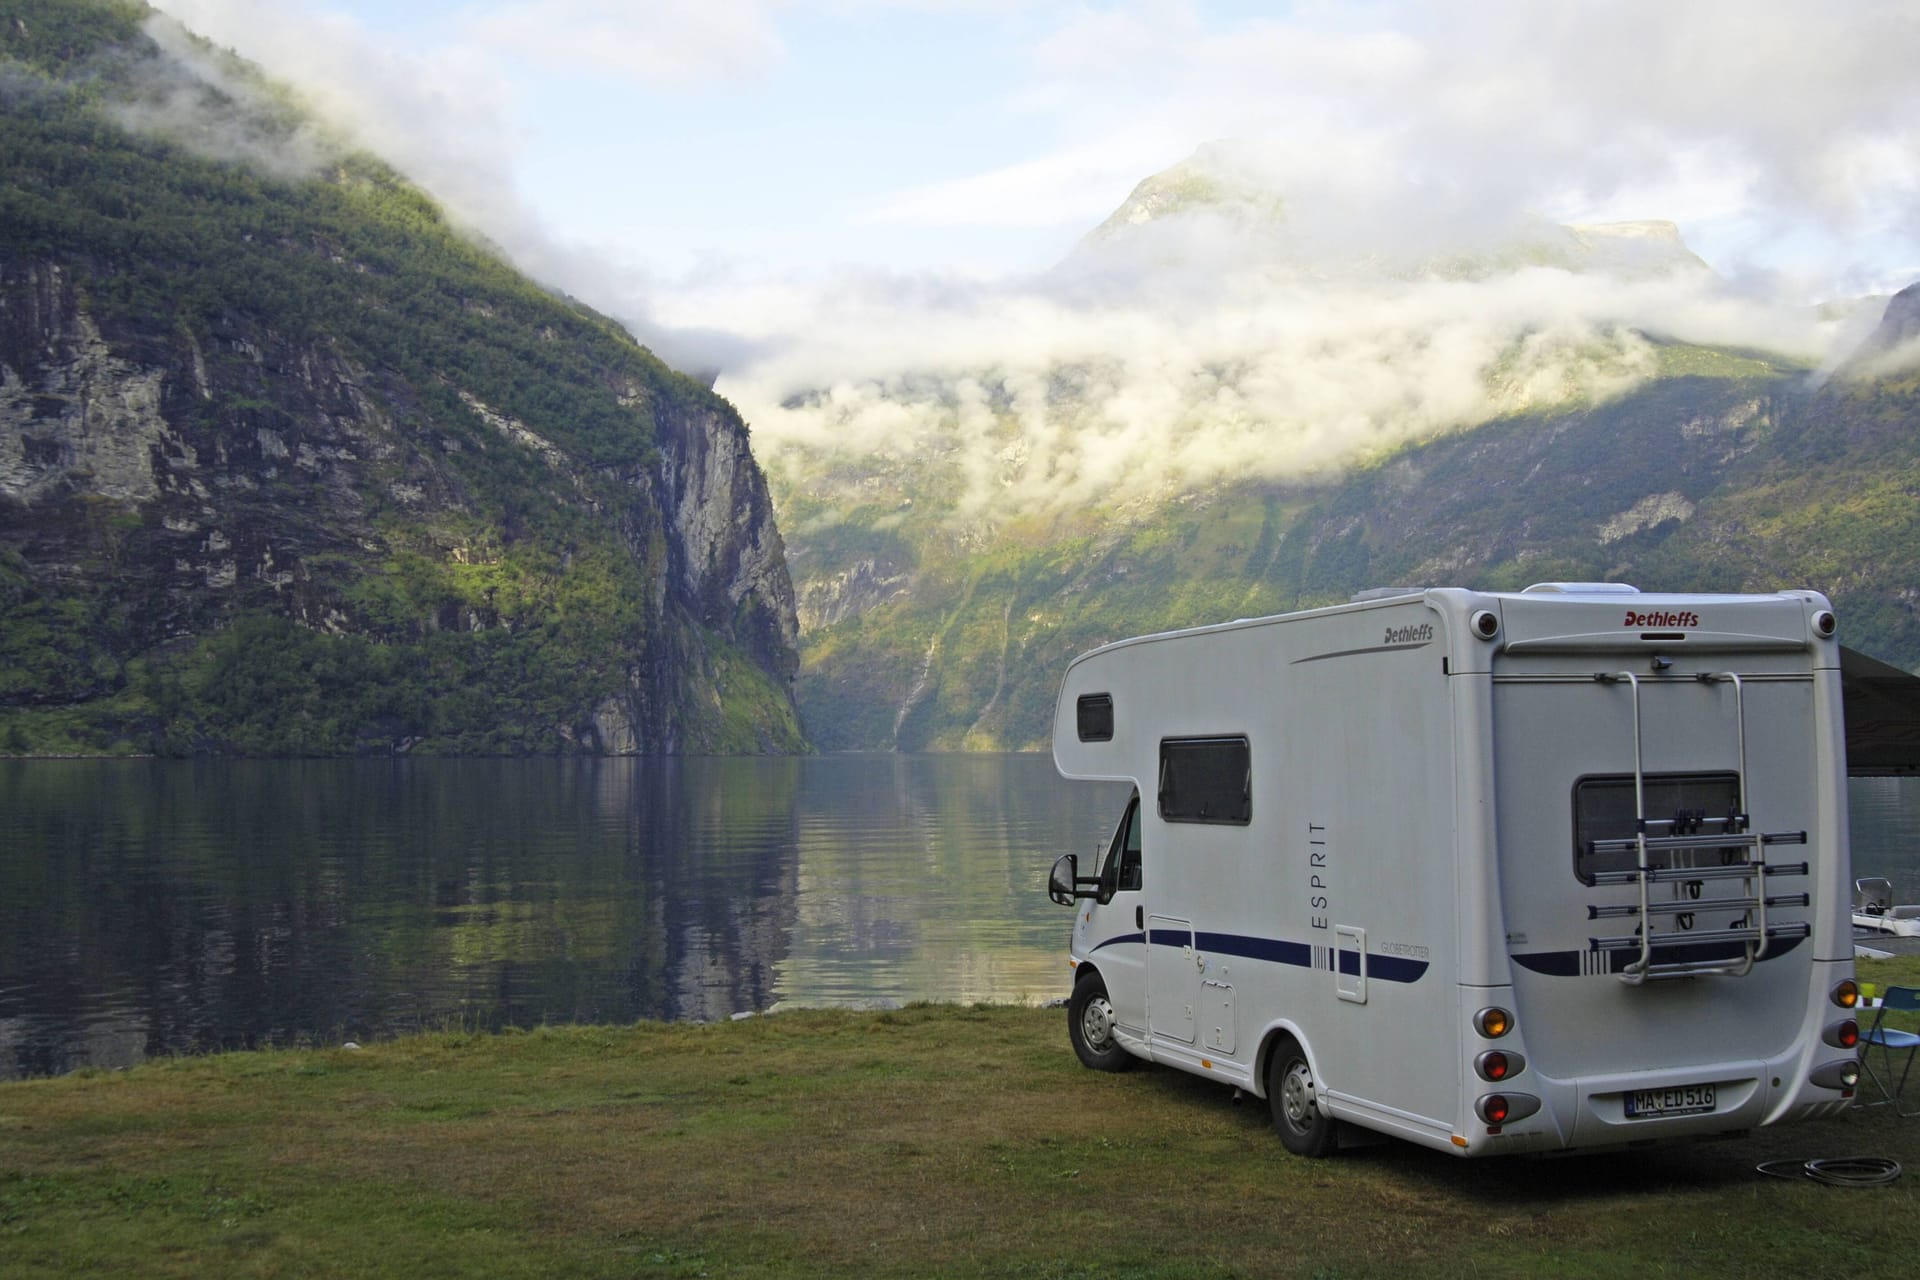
<point x="1122" y="869"/>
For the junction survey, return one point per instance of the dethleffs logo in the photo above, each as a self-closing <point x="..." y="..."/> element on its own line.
<point x="1409" y="635"/>
<point x="1662" y="620"/>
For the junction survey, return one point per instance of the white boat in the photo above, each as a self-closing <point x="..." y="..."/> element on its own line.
<point x="1874" y="910"/>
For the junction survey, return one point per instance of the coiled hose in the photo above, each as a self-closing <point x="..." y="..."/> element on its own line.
<point x="1838" y="1171"/>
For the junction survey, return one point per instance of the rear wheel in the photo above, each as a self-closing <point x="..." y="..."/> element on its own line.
<point x="1304" y="1128"/>
<point x="1090" y="1026"/>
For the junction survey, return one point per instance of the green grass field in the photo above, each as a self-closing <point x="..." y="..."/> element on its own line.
<point x="928" y="1141"/>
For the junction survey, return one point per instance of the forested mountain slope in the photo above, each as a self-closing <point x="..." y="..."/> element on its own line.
<point x="288" y="465"/>
<point x="943" y="589"/>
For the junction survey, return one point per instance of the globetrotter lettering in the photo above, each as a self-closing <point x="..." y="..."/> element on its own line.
<point x="1662" y="620"/>
<point x="1409" y="635"/>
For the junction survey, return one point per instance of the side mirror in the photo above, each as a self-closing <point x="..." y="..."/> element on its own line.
<point x="1065" y="883"/>
<point x="1060" y="881"/>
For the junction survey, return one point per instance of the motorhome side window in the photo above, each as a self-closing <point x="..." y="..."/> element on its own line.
<point x="1603" y="809"/>
<point x="1094" y="715"/>
<point x="1122" y="870"/>
<point x="1206" y="780"/>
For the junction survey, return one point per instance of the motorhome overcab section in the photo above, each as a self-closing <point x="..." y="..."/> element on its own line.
<point x="1488" y="872"/>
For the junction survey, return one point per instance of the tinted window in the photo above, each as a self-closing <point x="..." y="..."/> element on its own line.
<point x="1096" y="717"/>
<point x="1206" y="780"/>
<point x="1603" y="810"/>
<point x="1122" y="870"/>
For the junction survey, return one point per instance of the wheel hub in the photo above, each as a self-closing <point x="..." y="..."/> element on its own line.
<point x="1096" y="1023"/>
<point x="1297" y="1096"/>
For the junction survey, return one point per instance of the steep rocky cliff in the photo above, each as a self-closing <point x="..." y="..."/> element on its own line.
<point x="287" y="465"/>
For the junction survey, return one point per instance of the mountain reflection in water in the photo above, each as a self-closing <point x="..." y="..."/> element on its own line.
<point x="151" y="907"/>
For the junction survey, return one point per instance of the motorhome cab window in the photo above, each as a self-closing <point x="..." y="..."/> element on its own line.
<point x="1122" y="871"/>
<point x="1603" y="810"/>
<point x="1206" y="780"/>
<point x="1095" y="714"/>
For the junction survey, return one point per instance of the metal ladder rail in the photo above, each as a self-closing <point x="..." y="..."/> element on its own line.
<point x="1740" y="739"/>
<point x="1638" y="971"/>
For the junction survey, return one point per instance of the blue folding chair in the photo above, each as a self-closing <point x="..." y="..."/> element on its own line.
<point x="1897" y="1049"/>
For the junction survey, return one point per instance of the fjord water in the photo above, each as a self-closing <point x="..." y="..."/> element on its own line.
<point x="151" y="907"/>
<point x="155" y="907"/>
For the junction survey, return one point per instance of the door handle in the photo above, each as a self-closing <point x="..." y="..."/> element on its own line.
<point x="1139" y="917"/>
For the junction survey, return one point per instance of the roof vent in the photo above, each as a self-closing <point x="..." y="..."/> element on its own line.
<point x="1581" y="589"/>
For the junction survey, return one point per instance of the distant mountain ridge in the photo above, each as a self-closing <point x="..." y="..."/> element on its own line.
<point x="1609" y="452"/>
<point x="1221" y="206"/>
<point x="1894" y="342"/>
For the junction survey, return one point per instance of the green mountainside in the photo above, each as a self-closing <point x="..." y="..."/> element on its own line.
<point x="288" y="465"/>
<point x="1670" y="465"/>
<point x="1731" y="483"/>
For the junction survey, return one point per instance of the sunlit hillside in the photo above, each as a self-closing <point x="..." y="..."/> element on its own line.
<point x="1220" y="407"/>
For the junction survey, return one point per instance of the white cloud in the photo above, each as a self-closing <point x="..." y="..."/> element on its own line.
<point x="1076" y="187"/>
<point x="1790" y="113"/>
<point x="445" y="120"/>
<point x="441" y="120"/>
<point x="1019" y="401"/>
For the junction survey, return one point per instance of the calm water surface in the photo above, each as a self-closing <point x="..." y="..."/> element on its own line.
<point x="154" y="907"/>
<point x="163" y="907"/>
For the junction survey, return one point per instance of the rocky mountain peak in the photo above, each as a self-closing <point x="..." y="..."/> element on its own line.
<point x="1894" y="345"/>
<point x="1226" y="208"/>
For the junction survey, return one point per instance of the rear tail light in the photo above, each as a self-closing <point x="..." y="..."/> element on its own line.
<point x="1497" y="1065"/>
<point x="1496" y="1109"/>
<point x="1842" y="1035"/>
<point x="1493" y="1022"/>
<point x="1847" y="994"/>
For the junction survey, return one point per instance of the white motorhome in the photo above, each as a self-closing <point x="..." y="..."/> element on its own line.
<point x="1556" y="869"/>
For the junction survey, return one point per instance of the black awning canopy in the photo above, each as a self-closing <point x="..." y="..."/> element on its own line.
<point x="1882" y="705"/>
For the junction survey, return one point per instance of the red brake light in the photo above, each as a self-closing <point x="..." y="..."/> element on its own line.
<point x="1494" y="1065"/>
<point x="1493" y="1109"/>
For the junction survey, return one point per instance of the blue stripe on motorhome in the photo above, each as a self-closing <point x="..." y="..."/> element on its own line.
<point x="1279" y="951"/>
<point x="1274" y="949"/>
<point x="1385" y="968"/>
<point x="1573" y="964"/>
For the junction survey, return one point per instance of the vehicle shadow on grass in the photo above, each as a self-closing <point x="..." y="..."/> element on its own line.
<point x="1541" y="1181"/>
<point x="1656" y="1170"/>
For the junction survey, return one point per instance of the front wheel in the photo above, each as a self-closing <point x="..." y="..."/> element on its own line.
<point x="1090" y="1027"/>
<point x="1304" y="1128"/>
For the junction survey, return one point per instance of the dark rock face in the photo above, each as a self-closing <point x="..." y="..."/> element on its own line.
<point x="1895" y="336"/>
<point x="191" y="479"/>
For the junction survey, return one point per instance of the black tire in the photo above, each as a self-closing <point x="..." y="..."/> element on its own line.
<point x="1304" y="1129"/>
<point x="1090" y="1027"/>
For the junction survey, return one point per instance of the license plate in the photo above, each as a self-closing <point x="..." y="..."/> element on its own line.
<point x="1686" y="1100"/>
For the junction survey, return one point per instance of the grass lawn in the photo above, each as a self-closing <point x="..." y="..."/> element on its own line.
<point x="927" y="1141"/>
